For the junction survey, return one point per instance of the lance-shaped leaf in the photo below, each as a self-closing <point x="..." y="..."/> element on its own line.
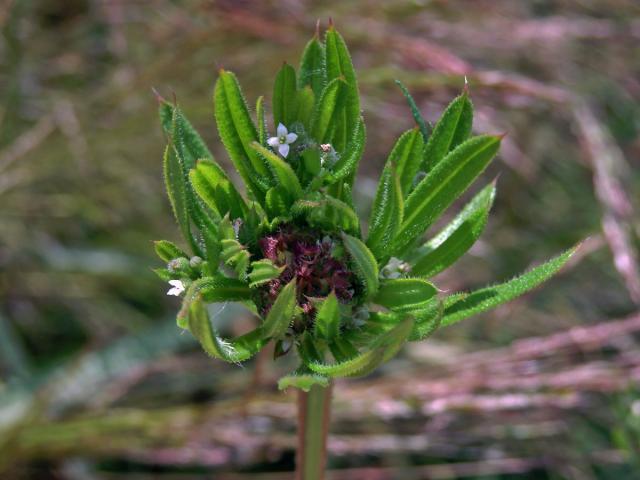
<point x="281" y="313"/>
<point x="238" y="132"/>
<point x="425" y="127"/>
<point x="363" y="262"/>
<point x="177" y="191"/>
<point x="327" y="212"/>
<point x="306" y="103"/>
<point x="406" y="157"/>
<point x="235" y="255"/>
<point x="283" y="173"/>
<point x="263" y="271"/>
<point x="328" y="109"/>
<point x="339" y="65"/>
<point x="327" y="321"/>
<point x="262" y="123"/>
<point x="312" y="67"/>
<point x="167" y="250"/>
<point x="456" y="238"/>
<point x="277" y="202"/>
<point x="234" y="350"/>
<point x="386" y="214"/>
<point x="347" y="164"/>
<point x="303" y="381"/>
<point x="464" y="305"/>
<point x="446" y="182"/>
<point x="382" y="350"/>
<point x="284" y="100"/>
<point x="216" y="190"/>
<point x="453" y="128"/>
<point x="213" y="289"/>
<point x="428" y="320"/>
<point x="405" y="294"/>
<point x="183" y="135"/>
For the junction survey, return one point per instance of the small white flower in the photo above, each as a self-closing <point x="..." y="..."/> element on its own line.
<point x="283" y="140"/>
<point x="177" y="287"/>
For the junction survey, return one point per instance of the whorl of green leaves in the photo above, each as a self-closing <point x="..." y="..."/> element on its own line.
<point x="310" y="189"/>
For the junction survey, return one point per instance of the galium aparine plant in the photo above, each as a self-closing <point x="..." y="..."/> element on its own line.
<point x="342" y="293"/>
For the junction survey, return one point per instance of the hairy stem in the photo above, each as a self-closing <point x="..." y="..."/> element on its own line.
<point x="314" y="412"/>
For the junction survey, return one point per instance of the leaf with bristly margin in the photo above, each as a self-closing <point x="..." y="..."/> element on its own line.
<point x="167" y="250"/>
<point x="282" y="171"/>
<point x="277" y="202"/>
<point x="306" y="104"/>
<point x="285" y="96"/>
<point x="327" y="212"/>
<point x="405" y="294"/>
<point x="347" y="164"/>
<point x="303" y="381"/>
<point x="463" y="305"/>
<point x="363" y="262"/>
<point x="456" y="238"/>
<point x="216" y="190"/>
<point x="263" y="271"/>
<point x="327" y="321"/>
<point x="312" y="67"/>
<point x="213" y="289"/>
<point x="185" y="138"/>
<point x="328" y="110"/>
<point x="177" y="192"/>
<point x="425" y="127"/>
<point x="386" y="214"/>
<point x="382" y="349"/>
<point x="339" y="65"/>
<point x="453" y="128"/>
<point x="235" y="255"/>
<point x="281" y="312"/>
<point x="262" y="123"/>
<point x="342" y="349"/>
<point x="235" y="350"/>
<point x="445" y="183"/>
<point x="428" y="320"/>
<point x="406" y="157"/>
<point x="238" y="132"/>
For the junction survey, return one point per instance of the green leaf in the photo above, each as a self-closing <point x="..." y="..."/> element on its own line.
<point x="233" y="351"/>
<point x="177" y="192"/>
<point x="328" y="110"/>
<point x="303" y="381"/>
<point x="312" y="67"/>
<point x="406" y="157"/>
<point x="364" y="263"/>
<point x="181" y="133"/>
<point x="281" y="313"/>
<point x="327" y="321"/>
<point x="425" y="127"/>
<point x="235" y="255"/>
<point x="238" y="132"/>
<point x="386" y="214"/>
<point x="463" y="305"/>
<point x="283" y="173"/>
<point x="329" y="213"/>
<point x="262" y="123"/>
<point x="456" y="238"/>
<point x="339" y="65"/>
<point x="453" y="128"/>
<point x="382" y="349"/>
<point x="216" y="190"/>
<point x="405" y="294"/>
<point x="306" y="103"/>
<point x="277" y="202"/>
<point x="285" y="105"/>
<point x="167" y="250"/>
<point x="446" y="182"/>
<point x="428" y="320"/>
<point x="347" y="164"/>
<point x="263" y="271"/>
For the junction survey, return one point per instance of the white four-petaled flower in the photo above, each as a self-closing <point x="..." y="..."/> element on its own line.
<point x="177" y="287"/>
<point x="283" y="140"/>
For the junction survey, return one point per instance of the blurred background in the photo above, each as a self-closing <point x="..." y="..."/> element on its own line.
<point x="97" y="382"/>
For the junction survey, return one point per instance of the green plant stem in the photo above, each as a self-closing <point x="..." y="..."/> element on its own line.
<point x="314" y="413"/>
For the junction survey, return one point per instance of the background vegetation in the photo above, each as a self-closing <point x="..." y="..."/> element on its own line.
<point x="97" y="381"/>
